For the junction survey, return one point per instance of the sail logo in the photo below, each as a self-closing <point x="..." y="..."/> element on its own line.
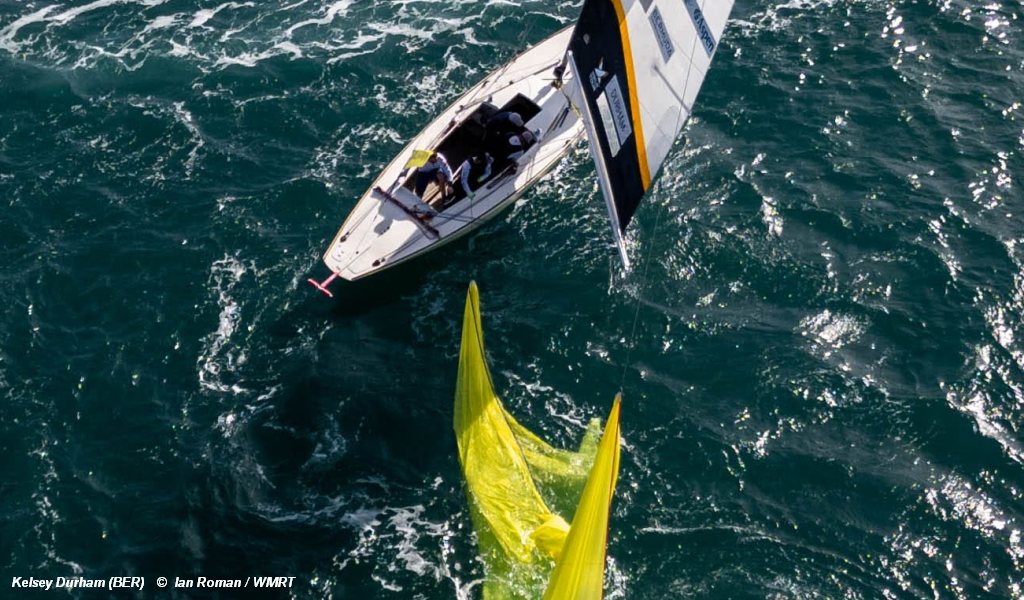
<point x="598" y="75"/>
<point x="614" y="115"/>
<point x="623" y="123"/>
<point x="703" y="32"/>
<point x="661" y="33"/>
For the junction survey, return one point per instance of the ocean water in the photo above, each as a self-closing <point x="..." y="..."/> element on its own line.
<point x="824" y="385"/>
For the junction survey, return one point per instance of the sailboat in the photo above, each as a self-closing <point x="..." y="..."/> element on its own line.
<point x="625" y="76"/>
<point x="634" y="70"/>
<point x="391" y="224"/>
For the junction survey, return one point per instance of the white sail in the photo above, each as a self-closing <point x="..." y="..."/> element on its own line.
<point x="639" y="65"/>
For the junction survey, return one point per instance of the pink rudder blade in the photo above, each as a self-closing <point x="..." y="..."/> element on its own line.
<point x="322" y="285"/>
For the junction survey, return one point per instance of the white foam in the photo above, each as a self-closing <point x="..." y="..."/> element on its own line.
<point x="775" y="18"/>
<point x="357" y="47"/>
<point x="217" y="353"/>
<point x="402" y="538"/>
<point x="289" y="48"/>
<point x="251" y="59"/>
<point x="48" y="517"/>
<point x="202" y="16"/>
<point x="983" y="414"/>
<point x="403" y="31"/>
<point x="340" y="7"/>
<point x="161" y="22"/>
<point x="7" y="33"/>
<point x="226" y="423"/>
<point x="833" y="331"/>
<point x="69" y="15"/>
<point x="975" y="401"/>
<point x="959" y="500"/>
<point x="770" y="216"/>
<point x="185" y="118"/>
<point x="179" y="50"/>
<point x="246" y="59"/>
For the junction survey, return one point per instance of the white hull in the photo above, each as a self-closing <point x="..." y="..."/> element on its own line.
<point x="379" y="233"/>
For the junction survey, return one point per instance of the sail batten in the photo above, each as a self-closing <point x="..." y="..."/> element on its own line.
<point x="640" y="65"/>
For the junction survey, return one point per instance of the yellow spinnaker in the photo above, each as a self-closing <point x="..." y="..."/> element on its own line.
<point x="579" y="572"/>
<point x="513" y="478"/>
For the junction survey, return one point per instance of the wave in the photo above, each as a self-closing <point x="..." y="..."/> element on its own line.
<point x="220" y="356"/>
<point x="230" y="35"/>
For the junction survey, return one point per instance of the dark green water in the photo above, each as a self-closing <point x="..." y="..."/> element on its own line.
<point x="824" y="395"/>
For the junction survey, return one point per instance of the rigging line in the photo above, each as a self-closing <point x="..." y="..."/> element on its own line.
<point x="643" y="280"/>
<point x="686" y="110"/>
<point x="657" y="222"/>
<point x="642" y="284"/>
<point x="672" y="90"/>
<point x="496" y="78"/>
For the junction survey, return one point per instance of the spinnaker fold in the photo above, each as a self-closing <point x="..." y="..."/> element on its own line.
<point x="519" y="487"/>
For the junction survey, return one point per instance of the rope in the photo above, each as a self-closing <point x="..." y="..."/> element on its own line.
<point x="642" y="284"/>
<point x="657" y="222"/>
<point x="647" y="266"/>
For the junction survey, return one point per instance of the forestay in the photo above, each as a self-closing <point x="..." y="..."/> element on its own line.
<point x="639" y="65"/>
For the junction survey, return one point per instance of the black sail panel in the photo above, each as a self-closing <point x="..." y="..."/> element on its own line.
<point x="638" y="67"/>
<point x="600" y="55"/>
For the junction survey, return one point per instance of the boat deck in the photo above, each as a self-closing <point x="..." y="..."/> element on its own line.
<point x="468" y="138"/>
<point x="379" y="233"/>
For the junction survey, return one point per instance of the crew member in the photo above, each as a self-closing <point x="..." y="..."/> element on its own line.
<point x="504" y="123"/>
<point x="518" y="144"/>
<point x="435" y="169"/>
<point x="475" y="169"/>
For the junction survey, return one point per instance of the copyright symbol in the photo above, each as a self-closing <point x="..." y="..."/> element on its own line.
<point x="161" y="582"/>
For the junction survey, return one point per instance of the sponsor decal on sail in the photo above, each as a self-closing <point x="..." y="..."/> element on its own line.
<point x="614" y="115"/>
<point x="597" y="76"/>
<point x="703" y="32"/>
<point x="609" y="125"/>
<point x="619" y="111"/>
<point x="661" y="34"/>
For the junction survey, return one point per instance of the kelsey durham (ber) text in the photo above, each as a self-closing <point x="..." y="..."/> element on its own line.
<point x="73" y="582"/>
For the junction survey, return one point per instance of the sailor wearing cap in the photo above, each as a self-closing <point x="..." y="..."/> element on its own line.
<point x="435" y="169"/>
<point x="518" y="144"/>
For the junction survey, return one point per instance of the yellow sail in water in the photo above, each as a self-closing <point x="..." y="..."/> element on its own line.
<point x="579" y="572"/>
<point x="514" y="479"/>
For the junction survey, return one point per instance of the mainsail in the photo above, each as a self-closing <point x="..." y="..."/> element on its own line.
<point x="637" y="67"/>
<point x="518" y="486"/>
